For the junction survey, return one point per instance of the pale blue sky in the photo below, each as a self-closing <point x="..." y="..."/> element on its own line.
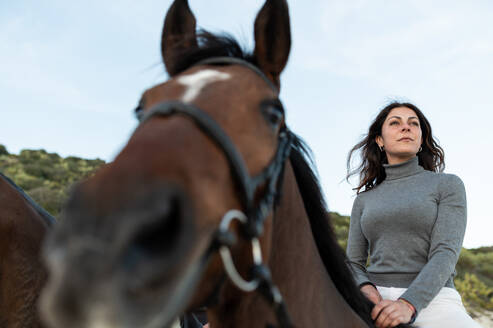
<point x="71" y="73"/>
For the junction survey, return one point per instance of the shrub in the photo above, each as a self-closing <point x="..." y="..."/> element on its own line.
<point x="50" y="199"/>
<point x="28" y="182"/>
<point x="476" y="296"/>
<point x="467" y="262"/>
<point x="46" y="177"/>
<point x="3" y="150"/>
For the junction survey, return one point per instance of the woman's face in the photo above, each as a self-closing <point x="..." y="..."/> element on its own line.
<point x="401" y="135"/>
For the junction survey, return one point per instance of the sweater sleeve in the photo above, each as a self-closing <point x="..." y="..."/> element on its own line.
<point x="445" y="245"/>
<point x="357" y="245"/>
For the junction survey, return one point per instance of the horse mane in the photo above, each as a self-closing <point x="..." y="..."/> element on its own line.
<point x="333" y="256"/>
<point x="49" y="219"/>
<point x="209" y="45"/>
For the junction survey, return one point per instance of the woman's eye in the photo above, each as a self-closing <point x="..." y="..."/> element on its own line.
<point x="415" y="123"/>
<point x="394" y="123"/>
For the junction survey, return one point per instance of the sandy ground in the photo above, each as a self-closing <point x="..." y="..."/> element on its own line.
<point x="485" y="320"/>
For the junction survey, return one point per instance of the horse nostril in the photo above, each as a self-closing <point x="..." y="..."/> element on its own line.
<point x="154" y="238"/>
<point x="64" y="307"/>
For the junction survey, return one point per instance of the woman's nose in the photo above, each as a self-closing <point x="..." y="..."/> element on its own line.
<point x="406" y="127"/>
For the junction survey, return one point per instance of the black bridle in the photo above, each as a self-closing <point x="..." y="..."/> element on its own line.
<point x="255" y="212"/>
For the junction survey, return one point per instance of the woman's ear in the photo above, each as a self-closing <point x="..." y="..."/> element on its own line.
<point x="379" y="141"/>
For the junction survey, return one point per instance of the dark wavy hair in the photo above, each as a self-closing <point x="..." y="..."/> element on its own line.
<point x="371" y="171"/>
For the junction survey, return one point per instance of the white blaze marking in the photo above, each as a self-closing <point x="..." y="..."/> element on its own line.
<point x="197" y="81"/>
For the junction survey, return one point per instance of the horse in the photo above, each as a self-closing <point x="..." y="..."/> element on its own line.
<point x="213" y="202"/>
<point x="23" y="226"/>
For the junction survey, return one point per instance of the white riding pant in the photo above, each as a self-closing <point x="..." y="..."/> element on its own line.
<point x="445" y="310"/>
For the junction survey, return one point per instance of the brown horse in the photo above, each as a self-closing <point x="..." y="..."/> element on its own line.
<point x="141" y="240"/>
<point x="23" y="226"/>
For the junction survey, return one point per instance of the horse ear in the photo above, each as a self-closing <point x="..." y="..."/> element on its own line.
<point x="272" y="38"/>
<point x="178" y="33"/>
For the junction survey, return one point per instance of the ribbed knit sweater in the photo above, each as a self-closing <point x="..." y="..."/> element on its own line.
<point x="412" y="226"/>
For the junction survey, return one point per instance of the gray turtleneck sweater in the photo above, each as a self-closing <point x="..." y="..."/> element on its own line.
<point x="412" y="226"/>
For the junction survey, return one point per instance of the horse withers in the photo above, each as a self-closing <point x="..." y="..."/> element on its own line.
<point x="23" y="226"/>
<point x="211" y="203"/>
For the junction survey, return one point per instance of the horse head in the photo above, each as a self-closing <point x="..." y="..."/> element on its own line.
<point x="138" y="241"/>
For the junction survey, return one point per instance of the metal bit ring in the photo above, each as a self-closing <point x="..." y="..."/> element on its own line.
<point x="229" y="266"/>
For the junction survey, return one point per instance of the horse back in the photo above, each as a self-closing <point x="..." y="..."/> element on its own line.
<point x="22" y="275"/>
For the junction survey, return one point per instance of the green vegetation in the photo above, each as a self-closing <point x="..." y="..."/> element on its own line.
<point x="46" y="177"/>
<point x="474" y="279"/>
<point x="3" y="150"/>
<point x="476" y="295"/>
<point x="340" y="224"/>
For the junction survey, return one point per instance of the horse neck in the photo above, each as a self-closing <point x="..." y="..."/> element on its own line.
<point x="22" y="274"/>
<point x="16" y="191"/>
<point x="311" y="297"/>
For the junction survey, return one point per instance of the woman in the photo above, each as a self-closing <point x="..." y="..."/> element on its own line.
<point x="410" y="220"/>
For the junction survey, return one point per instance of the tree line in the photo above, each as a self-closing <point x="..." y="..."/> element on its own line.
<point x="46" y="177"/>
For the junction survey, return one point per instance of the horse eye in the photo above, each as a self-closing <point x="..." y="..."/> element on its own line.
<point x="139" y="108"/>
<point x="274" y="114"/>
<point x="138" y="112"/>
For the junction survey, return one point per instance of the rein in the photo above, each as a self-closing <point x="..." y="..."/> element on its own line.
<point x="252" y="220"/>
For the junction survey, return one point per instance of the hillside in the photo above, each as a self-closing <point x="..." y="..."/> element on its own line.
<point x="47" y="178"/>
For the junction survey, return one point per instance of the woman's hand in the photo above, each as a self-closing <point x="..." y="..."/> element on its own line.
<point x="371" y="293"/>
<point x="392" y="313"/>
